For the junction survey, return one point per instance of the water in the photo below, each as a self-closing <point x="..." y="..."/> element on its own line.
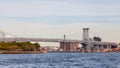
<point x="60" y="60"/>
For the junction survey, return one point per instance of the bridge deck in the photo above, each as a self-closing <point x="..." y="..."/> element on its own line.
<point x="55" y="40"/>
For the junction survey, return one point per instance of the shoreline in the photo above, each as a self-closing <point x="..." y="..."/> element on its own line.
<point x="43" y="52"/>
<point x="23" y="52"/>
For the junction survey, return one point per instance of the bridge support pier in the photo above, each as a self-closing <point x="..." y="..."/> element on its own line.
<point x="101" y="48"/>
<point x="86" y="48"/>
<point x="68" y="46"/>
<point x="109" y="47"/>
<point x="96" y="48"/>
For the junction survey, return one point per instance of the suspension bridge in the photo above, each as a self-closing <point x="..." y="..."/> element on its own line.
<point x="66" y="44"/>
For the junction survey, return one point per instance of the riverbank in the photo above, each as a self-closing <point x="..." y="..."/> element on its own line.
<point x="23" y="52"/>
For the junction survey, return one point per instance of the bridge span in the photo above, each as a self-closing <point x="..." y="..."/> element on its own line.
<point x="55" y="40"/>
<point x="68" y="44"/>
<point x="87" y="43"/>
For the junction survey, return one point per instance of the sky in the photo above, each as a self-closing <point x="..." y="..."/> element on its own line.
<point x="55" y="18"/>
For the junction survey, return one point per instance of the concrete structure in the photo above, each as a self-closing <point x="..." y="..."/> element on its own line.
<point x="85" y="34"/>
<point x="87" y="46"/>
<point x="68" y="46"/>
<point x="90" y="45"/>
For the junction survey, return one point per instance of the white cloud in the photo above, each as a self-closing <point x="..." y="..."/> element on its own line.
<point x="68" y="8"/>
<point x="110" y="32"/>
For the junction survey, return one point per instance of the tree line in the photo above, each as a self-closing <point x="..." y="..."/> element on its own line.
<point x="19" y="46"/>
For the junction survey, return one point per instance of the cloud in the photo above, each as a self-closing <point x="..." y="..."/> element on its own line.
<point x="64" y="19"/>
<point x="54" y="7"/>
<point x="47" y="18"/>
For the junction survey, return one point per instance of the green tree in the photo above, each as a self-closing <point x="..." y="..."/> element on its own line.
<point x="37" y="46"/>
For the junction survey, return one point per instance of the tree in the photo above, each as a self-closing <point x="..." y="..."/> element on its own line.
<point x="37" y="46"/>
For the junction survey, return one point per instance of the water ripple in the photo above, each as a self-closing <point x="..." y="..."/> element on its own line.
<point x="61" y="60"/>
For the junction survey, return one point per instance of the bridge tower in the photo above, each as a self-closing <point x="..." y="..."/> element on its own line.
<point x="85" y="34"/>
<point x="86" y="40"/>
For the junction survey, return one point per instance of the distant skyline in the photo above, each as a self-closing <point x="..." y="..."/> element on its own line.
<point x="55" y="18"/>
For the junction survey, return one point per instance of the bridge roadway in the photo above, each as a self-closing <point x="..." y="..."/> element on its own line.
<point x="55" y="40"/>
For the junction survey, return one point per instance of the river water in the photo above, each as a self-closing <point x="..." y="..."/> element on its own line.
<point x="60" y="60"/>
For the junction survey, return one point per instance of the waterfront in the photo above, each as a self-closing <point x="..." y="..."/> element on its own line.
<point x="61" y="60"/>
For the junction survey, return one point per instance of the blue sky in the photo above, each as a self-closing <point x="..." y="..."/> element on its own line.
<point x="54" y="18"/>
